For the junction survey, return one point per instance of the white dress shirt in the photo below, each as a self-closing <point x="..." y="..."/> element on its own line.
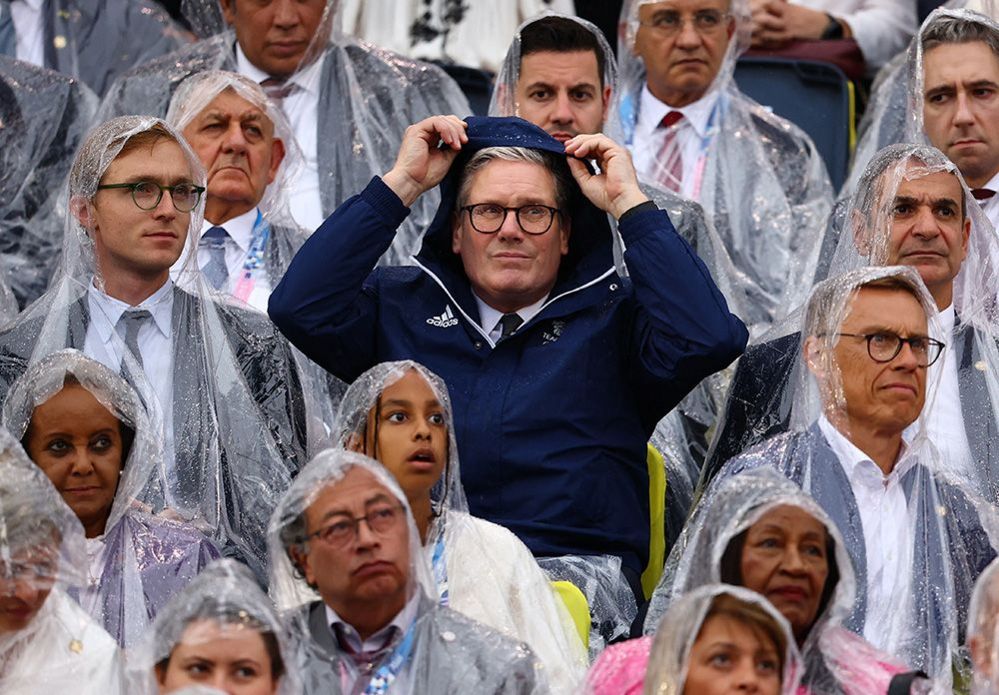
<point x="489" y="318"/>
<point x="30" y="30"/>
<point x="301" y="108"/>
<point x="254" y="292"/>
<point x="155" y="338"/>
<point x="942" y="414"/>
<point x="693" y="134"/>
<point x="401" y="622"/>
<point x="888" y="537"/>
<point x="990" y="206"/>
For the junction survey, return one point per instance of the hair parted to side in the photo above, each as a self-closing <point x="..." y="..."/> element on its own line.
<point x="945" y="30"/>
<point x="82" y="182"/>
<point x="830" y="300"/>
<point x="561" y="35"/>
<point x="554" y="164"/>
<point x="754" y="617"/>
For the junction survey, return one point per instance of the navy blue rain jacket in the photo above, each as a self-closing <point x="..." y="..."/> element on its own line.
<point x="551" y="423"/>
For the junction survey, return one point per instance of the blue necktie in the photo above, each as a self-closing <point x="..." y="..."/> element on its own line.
<point x="215" y="271"/>
<point x="8" y="37"/>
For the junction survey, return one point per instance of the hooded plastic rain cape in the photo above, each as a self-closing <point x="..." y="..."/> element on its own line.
<point x="480" y="569"/>
<point x="140" y="560"/>
<point x="880" y="225"/>
<point x="44" y="117"/>
<point x="448" y="652"/>
<point x="224" y="385"/>
<point x="42" y="550"/>
<point x="912" y="602"/>
<point x="367" y="97"/>
<point x="759" y="178"/>
<point x="222" y="603"/>
<point x="835" y="659"/>
<point x="681" y="625"/>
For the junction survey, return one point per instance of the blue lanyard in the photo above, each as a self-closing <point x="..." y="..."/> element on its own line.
<point x="440" y="570"/>
<point x="258" y="244"/>
<point x="387" y="672"/>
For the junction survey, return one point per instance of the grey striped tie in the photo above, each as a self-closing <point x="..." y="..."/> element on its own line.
<point x="130" y="322"/>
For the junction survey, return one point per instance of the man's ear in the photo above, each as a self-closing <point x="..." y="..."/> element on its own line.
<point x="228" y="11"/>
<point x="80" y="208"/>
<point x="456" y="233"/>
<point x="565" y="232"/>
<point x="812" y="351"/>
<point x="277" y="156"/>
<point x="606" y="100"/>
<point x="300" y="560"/>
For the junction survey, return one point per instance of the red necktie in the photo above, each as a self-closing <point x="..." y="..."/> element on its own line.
<point x="669" y="163"/>
<point x="982" y="194"/>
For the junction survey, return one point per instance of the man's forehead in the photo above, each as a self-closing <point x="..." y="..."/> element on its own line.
<point x="357" y="488"/>
<point x="940" y="66"/>
<point x="549" y="66"/>
<point x="889" y="308"/>
<point x="935" y="182"/>
<point x="231" y="104"/>
<point x="650" y="8"/>
<point x="163" y="159"/>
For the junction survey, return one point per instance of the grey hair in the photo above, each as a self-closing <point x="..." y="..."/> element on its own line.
<point x="944" y="30"/>
<point x="553" y="163"/>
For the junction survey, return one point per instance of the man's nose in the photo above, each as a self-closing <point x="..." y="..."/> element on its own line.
<point x="285" y="14"/>
<point x="510" y="229"/>
<point x="688" y="36"/>
<point x="563" y="109"/>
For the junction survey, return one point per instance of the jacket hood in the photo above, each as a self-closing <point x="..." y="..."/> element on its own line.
<point x="590" y="242"/>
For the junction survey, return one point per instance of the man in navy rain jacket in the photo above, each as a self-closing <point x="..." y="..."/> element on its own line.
<point x="552" y="415"/>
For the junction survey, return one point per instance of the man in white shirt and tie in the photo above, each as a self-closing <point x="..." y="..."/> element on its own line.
<point x="961" y="101"/>
<point x="248" y="237"/>
<point x="758" y="177"/>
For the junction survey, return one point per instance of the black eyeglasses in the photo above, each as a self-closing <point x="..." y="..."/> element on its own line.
<point x="147" y="194"/>
<point x="346" y="530"/>
<point x="487" y="218"/>
<point x="884" y="346"/>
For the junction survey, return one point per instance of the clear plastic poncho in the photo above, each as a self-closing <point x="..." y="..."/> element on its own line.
<point x="963" y="419"/>
<point x="681" y="625"/>
<point x="367" y="98"/>
<point x="44" y="117"/>
<point x="895" y="111"/>
<point x="983" y="621"/>
<point x="224" y="384"/>
<point x="941" y="534"/>
<point x="449" y="653"/>
<point x="759" y="178"/>
<point x="222" y="603"/>
<point x="42" y="554"/>
<point x="276" y="236"/>
<point x="140" y="560"/>
<point x="95" y="41"/>
<point x="835" y="660"/>
<point x="481" y="569"/>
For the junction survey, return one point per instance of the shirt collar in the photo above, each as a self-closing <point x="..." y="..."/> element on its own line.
<point x="35" y="5"/>
<point x="698" y="114"/>
<point x="401" y="622"/>
<point x="159" y="304"/>
<point x="239" y="228"/>
<point x="947" y="318"/>
<point x="489" y="317"/>
<point x="993" y="184"/>
<point x="307" y="79"/>
<point x="851" y="457"/>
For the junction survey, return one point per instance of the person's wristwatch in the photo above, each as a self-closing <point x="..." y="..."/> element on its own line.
<point x="833" y="30"/>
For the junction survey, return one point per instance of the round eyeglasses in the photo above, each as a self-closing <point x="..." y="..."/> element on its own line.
<point x="885" y="346"/>
<point x="147" y="194"/>
<point x="346" y="529"/>
<point x="488" y="218"/>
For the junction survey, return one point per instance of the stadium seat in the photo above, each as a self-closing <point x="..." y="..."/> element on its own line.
<point x="579" y="609"/>
<point x="657" y="521"/>
<point x="815" y="96"/>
